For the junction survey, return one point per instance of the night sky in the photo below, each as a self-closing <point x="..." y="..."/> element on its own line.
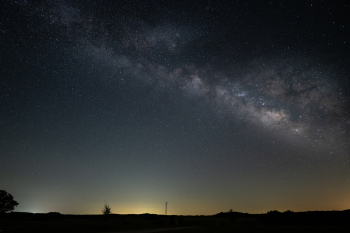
<point x="206" y="105"/>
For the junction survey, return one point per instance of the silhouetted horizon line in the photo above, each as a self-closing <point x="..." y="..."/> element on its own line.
<point x="228" y="212"/>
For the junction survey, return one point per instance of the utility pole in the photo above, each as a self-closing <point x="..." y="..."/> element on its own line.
<point x="166" y="206"/>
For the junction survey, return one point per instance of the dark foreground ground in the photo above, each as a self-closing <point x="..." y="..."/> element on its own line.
<point x="327" y="221"/>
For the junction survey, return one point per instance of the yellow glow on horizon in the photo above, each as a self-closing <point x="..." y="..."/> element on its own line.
<point x="134" y="208"/>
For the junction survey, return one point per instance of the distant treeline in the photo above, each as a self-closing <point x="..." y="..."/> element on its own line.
<point x="273" y="221"/>
<point x="340" y="218"/>
<point x="319" y="218"/>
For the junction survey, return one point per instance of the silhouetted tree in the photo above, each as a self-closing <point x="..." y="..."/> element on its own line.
<point x="7" y="203"/>
<point x="106" y="209"/>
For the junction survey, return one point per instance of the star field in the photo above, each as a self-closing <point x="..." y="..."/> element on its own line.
<point x="208" y="106"/>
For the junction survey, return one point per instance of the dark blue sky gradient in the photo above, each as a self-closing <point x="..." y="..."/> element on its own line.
<point x="208" y="106"/>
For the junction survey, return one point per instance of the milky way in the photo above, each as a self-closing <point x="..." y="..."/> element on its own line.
<point x="291" y="96"/>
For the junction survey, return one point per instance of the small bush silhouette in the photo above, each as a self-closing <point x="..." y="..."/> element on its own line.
<point x="106" y="209"/>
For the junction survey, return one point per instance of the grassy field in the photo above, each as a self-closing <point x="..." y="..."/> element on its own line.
<point x="87" y="227"/>
<point x="264" y="229"/>
<point x="118" y="223"/>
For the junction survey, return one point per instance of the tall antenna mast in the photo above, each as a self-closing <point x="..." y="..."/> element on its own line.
<point x="166" y="206"/>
